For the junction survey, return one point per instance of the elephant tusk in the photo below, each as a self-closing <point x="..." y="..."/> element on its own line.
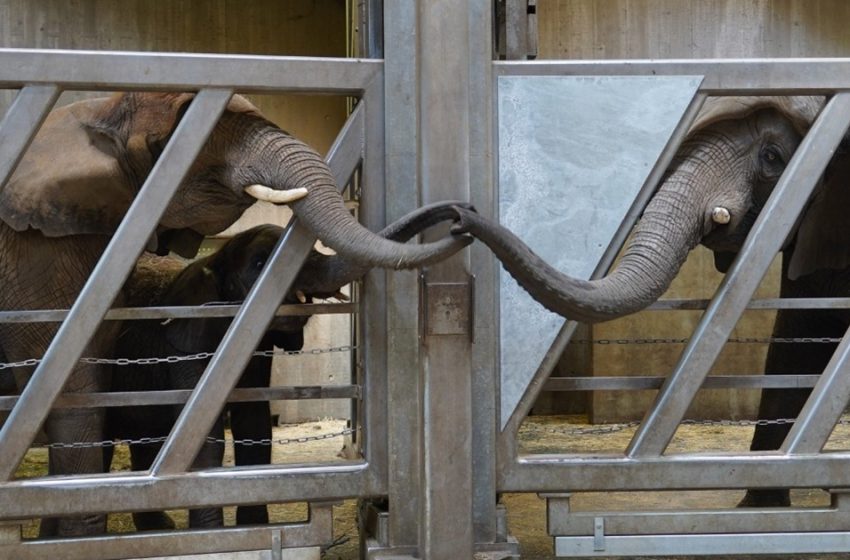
<point x="721" y="215"/>
<point x="266" y="194"/>
<point x="301" y="297"/>
<point x="341" y="296"/>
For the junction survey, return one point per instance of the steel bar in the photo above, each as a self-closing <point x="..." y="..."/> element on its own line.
<point x="738" y="520"/>
<point x="103" y="70"/>
<point x="824" y="407"/>
<point x="21" y="122"/>
<point x="315" y="532"/>
<point x="446" y="69"/>
<point x="151" y="398"/>
<point x="244" y="333"/>
<point x="108" y="276"/>
<point x="641" y="382"/>
<point x="788" y="76"/>
<point x="371" y="330"/>
<point x="756" y="304"/>
<point x="705" y="471"/>
<point x="178" y="312"/>
<point x="758" y="251"/>
<point x="705" y="545"/>
<point x="401" y="67"/>
<point x="563" y="338"/>
<point x="118" y="492"/>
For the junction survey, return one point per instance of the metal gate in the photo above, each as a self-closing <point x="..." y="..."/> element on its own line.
<point x="41" y="76"/>
<point x="423" y="425"/>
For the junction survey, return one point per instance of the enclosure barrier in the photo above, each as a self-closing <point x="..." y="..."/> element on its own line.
<point x="41" y="76"/>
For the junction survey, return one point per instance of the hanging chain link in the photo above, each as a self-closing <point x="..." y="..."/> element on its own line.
<point x="245" y="442"/>
<point x="32" y="362"/>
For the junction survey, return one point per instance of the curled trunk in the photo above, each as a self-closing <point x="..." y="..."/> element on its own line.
<point x="323" y="275"/>
<point x="282" y="162"/>
<point x="670" y="227"/>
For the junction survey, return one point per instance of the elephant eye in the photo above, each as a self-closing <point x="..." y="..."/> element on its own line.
<point x="772" y="161"/>
<point x="259" y="262"/>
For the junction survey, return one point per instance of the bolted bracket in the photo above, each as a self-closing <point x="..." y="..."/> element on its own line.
<point x="447" y="307"/>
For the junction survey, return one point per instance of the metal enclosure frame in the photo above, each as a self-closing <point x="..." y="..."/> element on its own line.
<point x="41" y="75"/>
<point x="431" y="441"/>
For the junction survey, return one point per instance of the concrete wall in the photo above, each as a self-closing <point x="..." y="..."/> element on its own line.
<point x="628" y="29"/>
<point x="264" y="27"/>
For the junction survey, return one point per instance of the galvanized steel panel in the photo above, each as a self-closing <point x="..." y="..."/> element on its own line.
<point x="574" y="152"/>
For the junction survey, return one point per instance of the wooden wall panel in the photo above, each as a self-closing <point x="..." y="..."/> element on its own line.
<point x="629" y="29"/>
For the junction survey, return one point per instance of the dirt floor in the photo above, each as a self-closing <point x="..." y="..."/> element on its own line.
<point x="526" y="512"/>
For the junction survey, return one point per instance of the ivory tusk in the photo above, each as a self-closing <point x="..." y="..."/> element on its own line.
<point x="721" y="215"/>
<point x="301" y="297"/>
<point x="266" y="194"/>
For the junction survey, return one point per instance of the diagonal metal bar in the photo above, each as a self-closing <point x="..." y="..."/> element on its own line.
<point x="244" y="333"/>
<point x="824" y="407"/>
<point x="20" y="124"/>
<point x="765" y="240"/>
<point x="100" y="290"/>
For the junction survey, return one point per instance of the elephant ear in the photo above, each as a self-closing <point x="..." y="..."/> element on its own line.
<point x="69" y="181"/>
<point x="823" y="238"/>
<point x="196" y="285"/>
<point x="89" y="159"/>
<point x="801" y="111"/>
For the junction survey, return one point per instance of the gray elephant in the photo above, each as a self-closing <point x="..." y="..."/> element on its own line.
<point x="225" y="276"/>
<point x="76" y="181"/>
<point x="715" y="188"/>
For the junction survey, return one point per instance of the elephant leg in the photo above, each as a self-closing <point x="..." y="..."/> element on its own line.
<point x="789" y="359"/>
<point x="252" y="420"/>
<point x="141" y="458"/>
<point x="210" y="456"/>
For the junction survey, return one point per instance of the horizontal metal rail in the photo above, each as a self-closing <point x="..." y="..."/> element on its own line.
<point x="644" y="382"/>
<point x="318" y="530"/>
<point x="766" y="304"/>
<point x="138" y="491"/>
<point x="111" y="71"/>
<point x="153" y="398"/>
<point x="178" y="312"/>
<point x="778" y="76"/>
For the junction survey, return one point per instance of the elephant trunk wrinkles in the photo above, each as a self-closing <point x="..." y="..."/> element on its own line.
<point x="670" y="227"/>
<point x="322" y="275"/>
<point x="283" y="162"/>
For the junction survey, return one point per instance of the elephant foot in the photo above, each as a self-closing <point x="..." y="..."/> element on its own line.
<point x="252" y="515"/>
<point x="152" y="521"/>
<point x="73" y="526"/>
<point x="774" y="497"/>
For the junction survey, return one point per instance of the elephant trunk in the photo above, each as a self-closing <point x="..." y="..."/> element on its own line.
<point x="323" y="275"/>
<point x="671" y="226"/>
<point x="282" y="162"/>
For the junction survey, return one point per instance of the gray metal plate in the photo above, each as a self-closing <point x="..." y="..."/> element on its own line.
<point x="574" y="151"/>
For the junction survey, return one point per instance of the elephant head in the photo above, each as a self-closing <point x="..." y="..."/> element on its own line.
<point x="715" y="187"/>
<point x="90" y="158"/>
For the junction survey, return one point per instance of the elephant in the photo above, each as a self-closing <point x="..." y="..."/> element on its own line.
<point x="225" y="276"/>
<point x="715" y="187"/>
<point x="74" y="184"/>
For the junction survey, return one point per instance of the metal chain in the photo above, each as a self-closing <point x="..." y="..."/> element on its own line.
<point x="245" y="442"/>
<point x="614" y="428"/>
<point x="32" y="362"/>
<point x="766" y="340"/>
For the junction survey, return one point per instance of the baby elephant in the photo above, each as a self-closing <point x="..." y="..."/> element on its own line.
<point x="225" y="276"/>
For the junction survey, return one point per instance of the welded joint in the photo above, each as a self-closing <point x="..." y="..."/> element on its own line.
<point x="277" y="545"/>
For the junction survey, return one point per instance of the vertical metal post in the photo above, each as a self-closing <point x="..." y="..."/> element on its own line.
<point x="445" y="71"/>
<point x="401" y="68"/>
